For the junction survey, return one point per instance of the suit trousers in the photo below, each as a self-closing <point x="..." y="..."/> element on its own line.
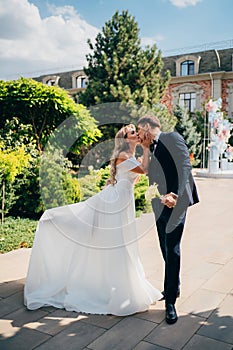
<point x="170" y="226"/>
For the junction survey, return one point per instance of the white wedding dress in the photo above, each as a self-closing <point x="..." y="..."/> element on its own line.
<point x="85" y="256"/>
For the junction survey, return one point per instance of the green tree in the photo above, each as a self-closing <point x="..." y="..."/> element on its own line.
<point x="187" y="128"/>
<point x="167" y="119"/>
<point x="45" y="108"/>
<point x="23" y="195"/>
<point x="58" y="186"/>
<point x="120" y="70"/>
<point x="12" y="163"/>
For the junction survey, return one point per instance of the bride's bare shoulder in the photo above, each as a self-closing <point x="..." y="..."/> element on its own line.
<point x="122" y="157"/>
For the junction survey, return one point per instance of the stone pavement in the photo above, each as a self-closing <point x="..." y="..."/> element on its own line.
<point x="205" y="307"/>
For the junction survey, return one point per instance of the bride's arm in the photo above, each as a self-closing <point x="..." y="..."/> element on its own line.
<point x="143" y="167"/>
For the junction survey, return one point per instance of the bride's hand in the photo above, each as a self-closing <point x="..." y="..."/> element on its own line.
<point x="169" y="200"/>
<point x="145" y="143"/>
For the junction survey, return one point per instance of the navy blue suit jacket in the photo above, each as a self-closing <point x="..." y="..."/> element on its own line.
<point x="170" y="168"/>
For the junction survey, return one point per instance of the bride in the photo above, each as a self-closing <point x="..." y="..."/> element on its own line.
<point x="85" y="255"/>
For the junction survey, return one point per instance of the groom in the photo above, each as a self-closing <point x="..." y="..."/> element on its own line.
<point x="170" y="168"/>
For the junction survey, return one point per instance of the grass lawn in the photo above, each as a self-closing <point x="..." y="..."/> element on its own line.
<point x="16" y="233"/>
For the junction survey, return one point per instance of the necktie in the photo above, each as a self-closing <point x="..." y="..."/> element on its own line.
<point x="152" y="146"/>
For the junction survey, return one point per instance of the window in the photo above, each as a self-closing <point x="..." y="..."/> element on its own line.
<point x="188" y="100"/>
<point x="51" y="82"/>
<point x="187" y="67"/>
<point x="188" y="95"/>
<point x="229" y="107"/>
<point x="81" y="82"/>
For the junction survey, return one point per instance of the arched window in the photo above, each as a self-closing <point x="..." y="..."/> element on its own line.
<point x="51" y="80"/>
<point x="81" y="82"/>
<point x="187" y="65"/>
<point x="187" y="68"/>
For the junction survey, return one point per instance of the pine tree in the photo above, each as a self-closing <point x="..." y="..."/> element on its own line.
<point x="120" y="70"/>
<point x="186" y="127"/>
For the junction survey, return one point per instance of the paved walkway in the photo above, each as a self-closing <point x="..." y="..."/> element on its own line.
<point x="205" y="307"/>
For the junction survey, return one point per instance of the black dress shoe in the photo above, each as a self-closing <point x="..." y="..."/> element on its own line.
<point x="163" y="298"/>
<point x="171" y="316"/>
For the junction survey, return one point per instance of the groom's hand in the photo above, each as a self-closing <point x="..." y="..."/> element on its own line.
<point x="169" y="200"/>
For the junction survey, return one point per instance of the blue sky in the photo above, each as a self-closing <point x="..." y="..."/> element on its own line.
<point x="43" y="36"/>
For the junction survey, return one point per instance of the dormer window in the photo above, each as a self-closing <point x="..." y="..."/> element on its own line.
<point x="51" y="80"/>
<point x="187" y="68"/>
<point x="187" y="65"/>
<point x="81" y="82"/>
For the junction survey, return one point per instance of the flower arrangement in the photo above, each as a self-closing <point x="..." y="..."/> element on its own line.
<point x="229" y="153"/>
<point x="153" y="192"/>
<point x="213" y="106"/>
<point x="219" y="127"/>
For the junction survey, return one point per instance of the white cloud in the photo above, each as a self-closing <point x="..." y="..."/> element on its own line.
<point x="152" y="40"/>
<point x="184" y="3"/>
<point x="30" y="44"/>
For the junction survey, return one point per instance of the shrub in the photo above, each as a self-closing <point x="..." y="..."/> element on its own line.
<point x="16" y="233"/>
<point x="141" y="205"/>
<point x="58" y="186"/>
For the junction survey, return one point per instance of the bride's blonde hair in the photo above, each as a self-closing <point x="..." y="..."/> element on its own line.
<point x="121" y="145"/>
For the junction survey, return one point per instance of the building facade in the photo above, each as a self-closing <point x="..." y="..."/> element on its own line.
<point x="198" y="76"/>
<point x="195" y="77"/>
<point x="73" y="81"/>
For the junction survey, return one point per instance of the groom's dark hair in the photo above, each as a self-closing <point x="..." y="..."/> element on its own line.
<point x="150" y="119"/>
